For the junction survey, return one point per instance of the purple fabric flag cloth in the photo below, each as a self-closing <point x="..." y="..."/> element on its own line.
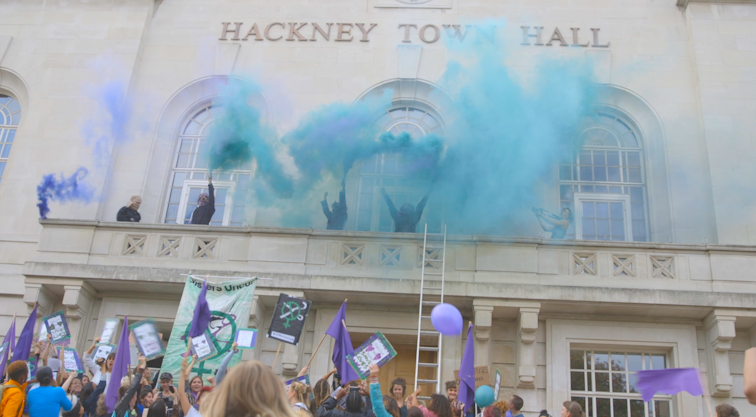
<point x="24" y="344"/>
<point x="466" y="393"/>
<point x="342" y="347"/>
<point x="201" y="318"/>
<point x="10" y="338"/>
<point x="668" y="381"/>
<point x="120" y="367"/>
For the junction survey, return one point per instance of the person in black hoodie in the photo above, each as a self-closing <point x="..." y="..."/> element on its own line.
<point x="130" y="212"/>
<point x="337" y="216"/>
<point x="354" y="404"/>
<point x="406" y="218"/>
<point x="205" y="205"/>
<point x="126" y="404"/>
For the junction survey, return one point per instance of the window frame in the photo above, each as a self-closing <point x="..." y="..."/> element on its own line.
<point x="6" y="129"/>
<point x="579" y="198"/>
<point x="594" y="395"/>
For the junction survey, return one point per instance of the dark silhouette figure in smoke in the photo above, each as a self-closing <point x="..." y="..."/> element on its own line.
<point x="405" y="220"/>
<point x="205" y="205"/>
<point x="550" y="222"/>
<point x="337" y="215"/>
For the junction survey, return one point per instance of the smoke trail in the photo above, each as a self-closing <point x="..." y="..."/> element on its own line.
<point x="107" y="127"/>
<point x="62" y="189"/>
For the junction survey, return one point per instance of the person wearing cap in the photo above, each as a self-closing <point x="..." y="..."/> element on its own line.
<point x="47" y="400"/>
<point x="167" y="391"/>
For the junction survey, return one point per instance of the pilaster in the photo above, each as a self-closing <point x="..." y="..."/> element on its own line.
<point x="527" y="326"/>
<point x="720" y="330"/>
<point x="78" y="301"/>
<point x="483" y="321"/>
<point x="752" y="335"/>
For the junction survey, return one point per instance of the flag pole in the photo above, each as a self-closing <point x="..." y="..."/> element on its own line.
<point x="321" y="342"/>
<point x="276" y="359"/>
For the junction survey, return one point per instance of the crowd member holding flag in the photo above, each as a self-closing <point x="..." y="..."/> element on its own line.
<point x="120" y="368"/>
<point x="466" y="389"/>
<point x="24" y="344"/>
<point x="342" y="346"/>
<point x="126" y="404"/>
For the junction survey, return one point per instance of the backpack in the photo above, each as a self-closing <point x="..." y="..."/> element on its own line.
<point x="2" y="393"/>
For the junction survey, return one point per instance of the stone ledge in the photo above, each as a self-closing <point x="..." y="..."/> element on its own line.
<point x="684" y="3"/>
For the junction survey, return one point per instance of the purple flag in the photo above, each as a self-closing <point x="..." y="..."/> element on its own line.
<point x="120" y="367"/>
<point x="466" y="393"/>
<point x="24" y="344"/>
<point x="10" y="338"/>
<point x="342" y="347"/>
<point x="668" y="381"/>
<point x="201" y="314"/>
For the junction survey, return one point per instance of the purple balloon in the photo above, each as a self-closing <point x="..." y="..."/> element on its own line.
<point x="447" y="320"/>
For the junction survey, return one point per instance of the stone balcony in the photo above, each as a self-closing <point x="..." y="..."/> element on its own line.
<point x="599" y="275"/>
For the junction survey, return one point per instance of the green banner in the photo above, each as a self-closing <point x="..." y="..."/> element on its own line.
<point x="229" y="302"/>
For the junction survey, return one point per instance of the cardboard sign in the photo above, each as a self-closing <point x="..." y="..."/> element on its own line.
<point x="246" y="338"/>
<point x="108" y="330"/>
<point x="376" y="350"/>
<point x="102" y="352"/>
<point x="482" y="377"/>
<point x="203" y="346"/>
<point x="497" y="385"/>
<point x="288" y="319"/>
<point x="57" y="326"/>
<point x="70" y="359"/>
<point x="147" y="339"/>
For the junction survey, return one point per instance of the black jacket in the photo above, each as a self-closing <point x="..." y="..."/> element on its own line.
<point x="328" y="409"/>
<point x="127" y="214"/>
<point x="90" y="405"/>
<point x="406" y="222"/>
<point x="338" y="217"/>
<point x="203" y="215"/>
<point x="123" y="407"/>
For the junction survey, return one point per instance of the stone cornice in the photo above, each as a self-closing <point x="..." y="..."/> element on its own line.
<point x="457" y="239"/>
<point x="684" y="3"/>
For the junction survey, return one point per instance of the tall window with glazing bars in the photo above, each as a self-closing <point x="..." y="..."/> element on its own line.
<point x="10" y="116"/>
<point x="603" y="181"/>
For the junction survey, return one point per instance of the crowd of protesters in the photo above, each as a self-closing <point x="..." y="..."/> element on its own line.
<point x="248" y="389"/>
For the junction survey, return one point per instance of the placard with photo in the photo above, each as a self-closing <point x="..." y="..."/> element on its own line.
<point x="57" y="326"/>
<point x="147" y="339"/>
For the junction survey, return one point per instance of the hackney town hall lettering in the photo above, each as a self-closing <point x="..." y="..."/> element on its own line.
<point x="348" y="32"/>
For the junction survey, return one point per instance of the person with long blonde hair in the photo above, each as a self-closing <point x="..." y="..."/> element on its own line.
<point x="297" y="394"/>
<point x="250" y="389"/>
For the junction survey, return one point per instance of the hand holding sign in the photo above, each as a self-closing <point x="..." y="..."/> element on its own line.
<point x="376" y="350"/>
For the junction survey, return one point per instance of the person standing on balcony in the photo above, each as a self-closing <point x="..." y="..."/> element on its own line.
<point x="130" y="212"/>
<point x="337" y="215"/>
<point x="557" y="225"/>
<point x="205" y="205"/>
<point x="405" y="220"/>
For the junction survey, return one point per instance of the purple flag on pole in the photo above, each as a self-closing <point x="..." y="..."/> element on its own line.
<point x="466" y="393"/>
<point x="23" y="347"/>
<point x="342" y="347"/>
<point x="668" y="381"/>
<point x="10" y="338"/>
<point x="120" y="367"/>
<point x="201" y="314"/>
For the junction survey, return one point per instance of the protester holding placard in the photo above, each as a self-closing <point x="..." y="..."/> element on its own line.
<point x="47" y="400"/>
<point x="105" y="367"/>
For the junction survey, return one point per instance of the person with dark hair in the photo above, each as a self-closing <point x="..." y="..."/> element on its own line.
<point x="127" y="402"/>
<point x="398" y="391"/>
<point x="515" y="405"/>
<point x="414" y="412"/>
<point x="439" y="405"/>
<point x="321" y="392"/>
<point x="100" y="369"/>
<point x="89" y="396"/>
<point x="167" y="391"/>
<point x="550" y="222"/>
<point x="145" y="399"/>
<point x="353" y="404"/>
<point x="405" y="220"/>
<point x="726" y="410"/>
<point x="451" y="394"/>
<point x="205" y="205"/>
<point x="47" y="399"/>
<point x="571" y="409"/>
<point x="14" y="394"/>
<point x="158" y="409"/>
<point x="337" y="215"/>
<point x="544" y="413"/>
<point x="76" y="411"/>
<point x="130" y="212"/>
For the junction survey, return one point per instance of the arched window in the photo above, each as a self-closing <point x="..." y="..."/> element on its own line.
<point x="10" y="116"/>
<point x="387" y="171"/>
<point x="190" y="173"/>
<point x="604" y="182"/>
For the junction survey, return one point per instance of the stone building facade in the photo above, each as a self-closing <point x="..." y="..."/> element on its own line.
<point x="559" y="319"/>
